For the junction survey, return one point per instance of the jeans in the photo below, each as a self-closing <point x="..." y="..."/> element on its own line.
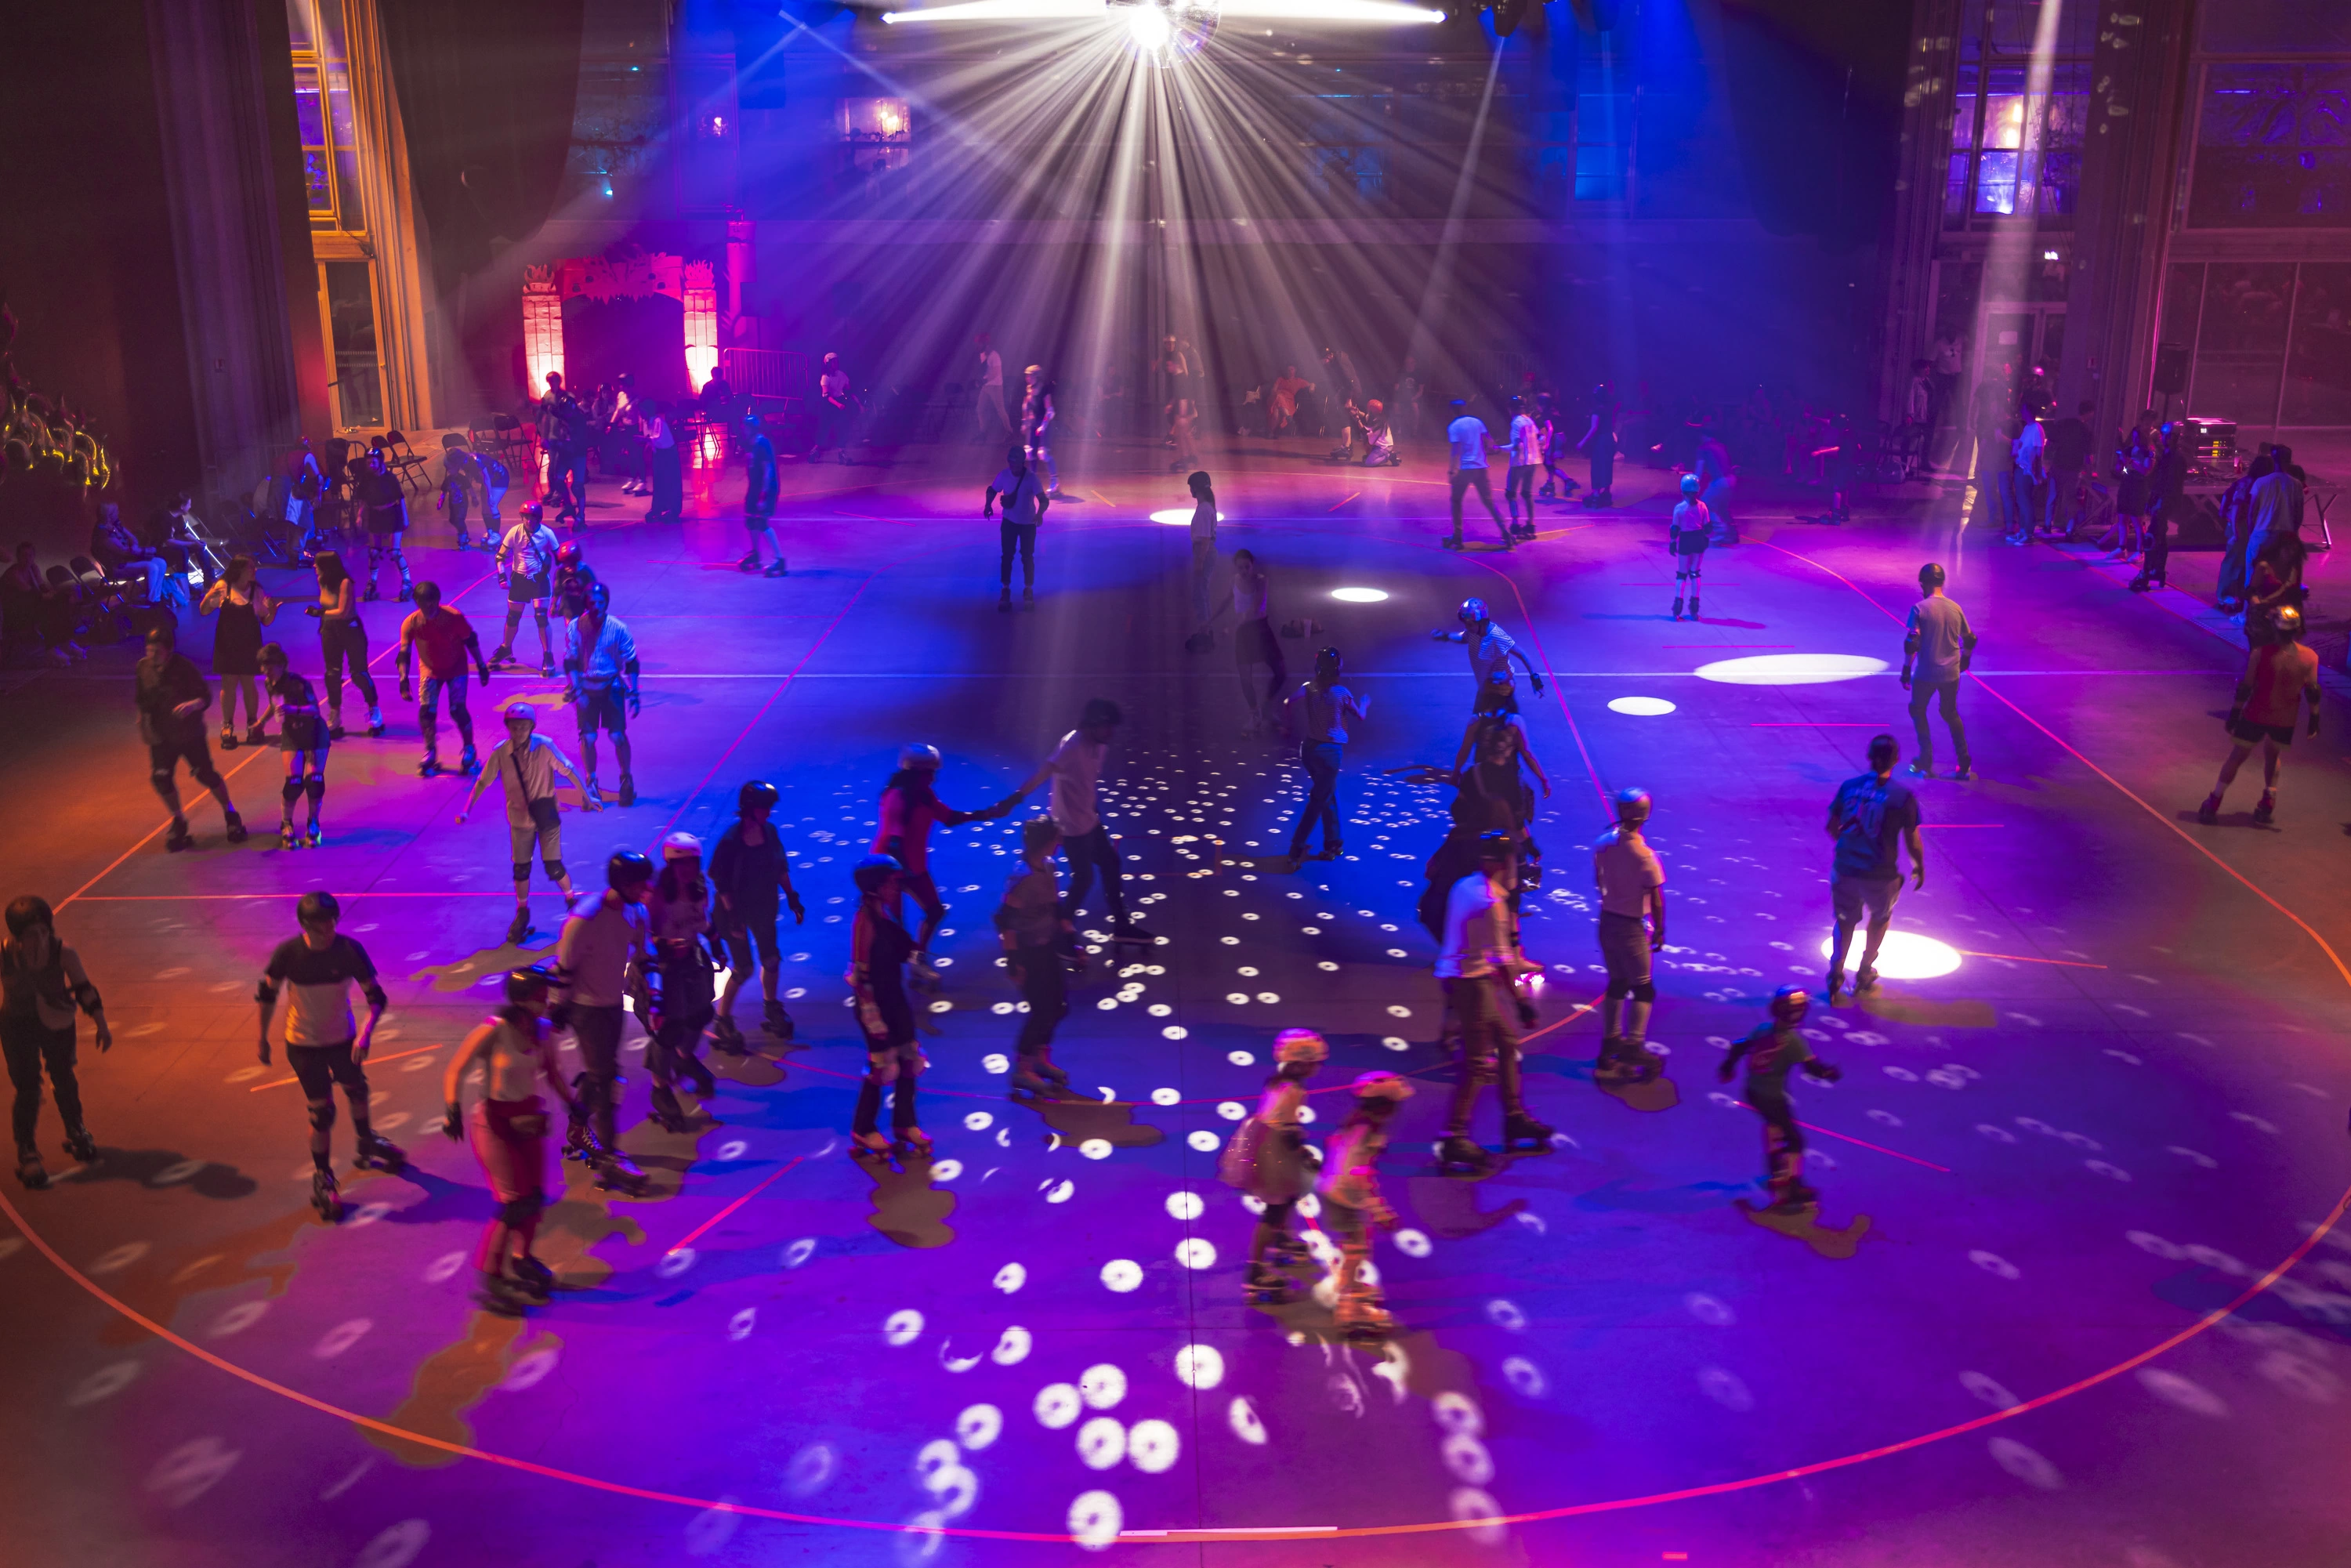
<point x="1045" y="987"/>
<point x="1924" y="691"/>
<point x="1486" y="1013"/>
<point x="567" y="480"/>
<point x="1088" y="852"/>
<point x="1321" y="759"/>
<point x="1021" y="536"/>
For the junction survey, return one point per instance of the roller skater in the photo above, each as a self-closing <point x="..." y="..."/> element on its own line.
<point x="525" y="561"/>
<point x="41" y="984"/>
<point x="527" y="762"/>
<point x="1942" y="644"/>
<point x="1480" y="969"/>
<point x="1490" y="647"/>
<point x="1632" y="890"/>
<point x="1770" y="1051"/>
<point x="383" y="515"/>
<point x="1352" y="1204"/>
<point x="440" y="638"/>
<point x="508" y="1128"/>
<point x="574" y="579"/>
<point x="1467" y="442"/>
<point x="172" y="697"/>
<point x="1267" y="1159"/>
<point x="606" y="940"/>
<point x="1871" y="818"/>
<point x="1691" y="530"/>
<point x="751" y="875"/>
<point x="302" y="740"/>
<point x="911" y="807"/>
<point x="1075" y="767"/>
<point x="760" y="490"/>
<point x="1037" y="939"/>
<point x="2278" y="677"/>
<point x="682" y="982"/>
<point x="323" y="1047"/>
<point x="879" y="948"/>
<point x="342" y="641"/>
<point x="601" y="673"/>
<point x="1526" y="447"/>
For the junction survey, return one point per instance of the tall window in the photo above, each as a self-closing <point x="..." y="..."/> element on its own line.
<point x="322" y="106"/>
<point x="2016" y="152"/>
<point x="2274" y="148"/>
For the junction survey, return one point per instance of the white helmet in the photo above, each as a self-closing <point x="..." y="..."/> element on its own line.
<point x="681" y="847"/>
<point x="919" y="756"/>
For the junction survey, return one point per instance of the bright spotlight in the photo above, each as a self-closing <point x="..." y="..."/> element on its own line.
<point x="1167" y="32"/>
<point x="1908" y="955"/>
<point x="1641" y="708"/>
<point x="1359" y="595"/>
<point x="1181" y="517"/>
<point x="1789" y="669"/>
<point x="1148" y="25"/>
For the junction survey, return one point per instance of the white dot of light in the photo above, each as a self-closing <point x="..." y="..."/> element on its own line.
<point x="1153" y="1446"/>
<point x="1181" y="517"/>
<point x="1641" y="708"/>
<point x="1360" y="595"/>
<point x="1205" y="1142"/>
<point x="979" y="1427"/>
<point x="1122" y="1274"/>
<point x="1200" y="1365"/>
<point x="1789" y="669"/>
<point x="1907" y="956"/>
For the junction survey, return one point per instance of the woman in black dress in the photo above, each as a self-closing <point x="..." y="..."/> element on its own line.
<point x="243" y="607"/>
<point x="302" y="737"/>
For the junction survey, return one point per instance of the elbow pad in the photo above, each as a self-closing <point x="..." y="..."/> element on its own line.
<point x="85" y="996"/>
<point x="376" y="997"/>
<point x="267" y="992"/>
<point x="633" y="669"/>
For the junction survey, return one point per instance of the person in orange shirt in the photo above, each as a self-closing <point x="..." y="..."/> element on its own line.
<point x="2278" y="676"/>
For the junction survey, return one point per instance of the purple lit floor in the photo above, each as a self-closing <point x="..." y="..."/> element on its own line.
<point x="2054" y="1174"/>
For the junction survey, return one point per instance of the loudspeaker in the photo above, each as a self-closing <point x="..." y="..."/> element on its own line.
<point x="2171" y="369"/>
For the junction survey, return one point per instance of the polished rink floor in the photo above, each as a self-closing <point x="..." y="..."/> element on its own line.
<point x="2029" y="1326"/>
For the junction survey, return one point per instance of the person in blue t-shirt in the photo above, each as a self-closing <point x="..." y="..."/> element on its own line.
<point x="1871" y="817"/>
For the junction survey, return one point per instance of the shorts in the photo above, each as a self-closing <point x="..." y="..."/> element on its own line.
<point x="601" y="704"/>
<point x="163" y="757"/>
<point x="521" y="589"/>
<point x="320" y="1067"/>
<point x="544" y="829"/>
<point x="2252" y="733"/>
<point x="1853" y="895"/>
<point x="429" y="694"/>
<point x="1625" y="949"/>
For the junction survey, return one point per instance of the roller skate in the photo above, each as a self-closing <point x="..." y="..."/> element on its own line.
<point x="2265" y="809"/>
<point x="501" y="657"/>
<point x="1129" y="940"/>
<point x="1835" y="984"/>
<point x="469" y="763"/>
<point x="503" y="1297"/>
<point x="372" y="593"/>
<point x="628" y="796"/>
<point x="1693" y="606"/>
<point x="1456" y="1156"/>
<point x="748" y="563"/>
<point x="375" y="722"/>
<point x="1288" y="1253"/>
<point x="429" y="767"/>
<point x="922" y="974"/>
<point x="546" y="665"/>
<point x="1866" y="980"/>
<point x="80" y="1147"/>
<point x="179" y="838"/>
<point x="778" y="569"/>
<point x="1363" y="1317"/>
<point x="1037" y="1078"/>
<point x="775" y="1020"/>
<point x="237" y="833"/>
<point x="1793" y="1197"/>
<point x="912" y="1143"/>
<point x="1625" y="1061"/>
<point x="335" y="730"/>
<point x="378" y="1154"/>
<point x="580" y="1136"/>
<point x="532" y="1275"/>
<point x="311" y="837"/>
<point x="407" y="593"/>
<point x="518" y="927"/>
<point x="1452" y="543"/>
<point x="326" y="1197"/>
<point x="666" y="1109"/>
<point x="870" y="1146"/>
<point x="287" y="839"/>
<point x="615" y="1172"/>
<point x="1266" y="1287"/>
<point x="726" y="1036"/>
<point x="705" y="1084"/>
<point x="1677" y="607"/>
<point x="30" y="1172"/>
<point x="1522" y="1134"/>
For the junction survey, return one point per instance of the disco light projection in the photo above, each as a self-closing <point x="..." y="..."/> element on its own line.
<point x="1360" y="595"/>
<point x="1789" y="669"/>
<point x="1163" y="32"/>
<point x="1641" y="708"/>
<point x="1907" y="956"/>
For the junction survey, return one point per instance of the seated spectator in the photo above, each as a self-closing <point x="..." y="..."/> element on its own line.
<point x="120" y="553"/>
<point x="37" y="620"/>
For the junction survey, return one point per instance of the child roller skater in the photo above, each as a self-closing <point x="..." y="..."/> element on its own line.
<point x="683" y="980"/>
<point x="911" y="808"/>
<point x="1351" y="1201"/>
<point x="1687" y="538"/>
<point x="1770" y="1051"/>
<point x="1267" y="1159"/>
<point x="879" y="950"/>
<point x="508" y="1127"/>
<point x="1480" y="969"/>
<point x="605" y="941"/>
<point x="302" y="740"/>
<point x="1037" y="939"/>
<point x="527" y="762"/>
<point x="439" y="640"/>
<point x="43" y="982"/>
<point x="318" y="970"/>
<point x="752" y="879"/>
<point x="1632" y="886"/>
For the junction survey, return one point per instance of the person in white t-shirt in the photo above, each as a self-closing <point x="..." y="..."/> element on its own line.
<point x="1022" y="492"/>
<point x="1526" y="456"/>
<point x="836" y="406"/>
<point x="1075" y="767"/>
<point x="1632" y="927"/>
<point x="994" y="423"/>
<point x="1469" y="439"/>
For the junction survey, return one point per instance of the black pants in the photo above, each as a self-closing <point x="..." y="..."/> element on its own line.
<point x="597" y="1032"/>
<point x="669" y="484"/>
<point x="1321" y="759"/>
<point x="1021" y="536"/>
<point x="567" y="481"/>
<point x="1488" y="1051"/>
<point x="1088" y="853"/>
<point x="30" y="1046"/>
<point x="1045" y="987"/>
<point x="342" y="642"/>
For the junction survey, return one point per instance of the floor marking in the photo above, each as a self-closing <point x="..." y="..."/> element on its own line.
<point x="1881" y="1148"/>
<point x="695" y="1234"/>
<point x="371" y="1057"/>
<point x="1350" y="497"/>
<point x="134" y="849"/>
<point x="2021" y="958"/>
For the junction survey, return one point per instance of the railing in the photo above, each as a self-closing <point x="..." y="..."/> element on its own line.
<point x="765" y="372"/>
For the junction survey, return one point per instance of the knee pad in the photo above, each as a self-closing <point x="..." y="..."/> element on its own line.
<point x="521" y="871"/>
<point x="1619" y="989"/>
<point x="553" y="870"/>
<point x="322" y="1114"/>
<point x="522" y="1211"/>
<point x="539" y="612"/>
<point x="1645" y="993"/>
<point x="291" y="792"/>
<point x="161" y="779"/>
<point x="315" y="787"/>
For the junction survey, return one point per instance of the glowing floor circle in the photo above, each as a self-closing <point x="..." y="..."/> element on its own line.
<point x="1907" y="956"/>
<point x="1360" y="595"/>
<point x="1641" y="708"/>
<point x="1791" y="669"/>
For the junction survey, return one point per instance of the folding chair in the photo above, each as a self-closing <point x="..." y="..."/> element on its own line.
<point x="406" y="462"/>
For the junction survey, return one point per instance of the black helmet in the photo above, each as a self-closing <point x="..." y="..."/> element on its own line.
<point x="318" y="909"/>
<point x="528" y="984"/>
<point x="873" y="871"/>
<point x="755" y="793"/>
<point x="28" y="912"/>
<point x="628" y="868"/>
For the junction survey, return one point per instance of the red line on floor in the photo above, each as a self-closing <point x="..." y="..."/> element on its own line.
<point x="112" y="865"/>
<point x="1879" y="1148"/>
<point x="1559" y="693"/>
<point x="2120" y="788"/>
<point x="695" y="1234"/>
<point x="1813" y="723"/>
<point x="2020" y="958"/>
<point x="371" y="1057"/>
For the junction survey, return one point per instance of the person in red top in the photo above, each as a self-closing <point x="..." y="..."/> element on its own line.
<point x="2278" y="676"/>
<point x="440" y="638"/>
<point x="911" y="808"/>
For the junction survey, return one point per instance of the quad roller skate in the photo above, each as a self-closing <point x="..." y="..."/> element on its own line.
<point x="471" y="762"/>
<point x="912" y="1143"/>
<point x="1624" y="1061"/>
<point x="1693" y="606"/>
<point x="615" y="1172"/>
<point x="375" y="722"/>
<point x="1677" y="607"/>
<point x="429" y="768"/>
<point x="628" y="796"/>
<point x="1036" y="1076"/>
<point x="30" y="1172"/>
<point x="1522" y="1134"/>
<point x="1456" y="1156"/>
<point x="775" y="1020"/>
<point x="380" y="1155"/>
<point x="505" y="1298"/>
<point x="1268" y="1287"/>
<point x="1130" y="941"/>
<point x="706" y="1082"/>
<point x="922" y="974"/>
<point x="1362" y="1319"/>
<point x="533" y="1276"/>
<point x="666" y="1109"/>
<point x="1793" y="1197"/>
<point x="80" y="1146"/>
<point x="236" y="834"/>
<point x="326" y="1196"/>
<point x="727" y="1036"/>
<point x="501" y="657"/>
<point x="519" y="927"/>
<point x="870" y="1146"/>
